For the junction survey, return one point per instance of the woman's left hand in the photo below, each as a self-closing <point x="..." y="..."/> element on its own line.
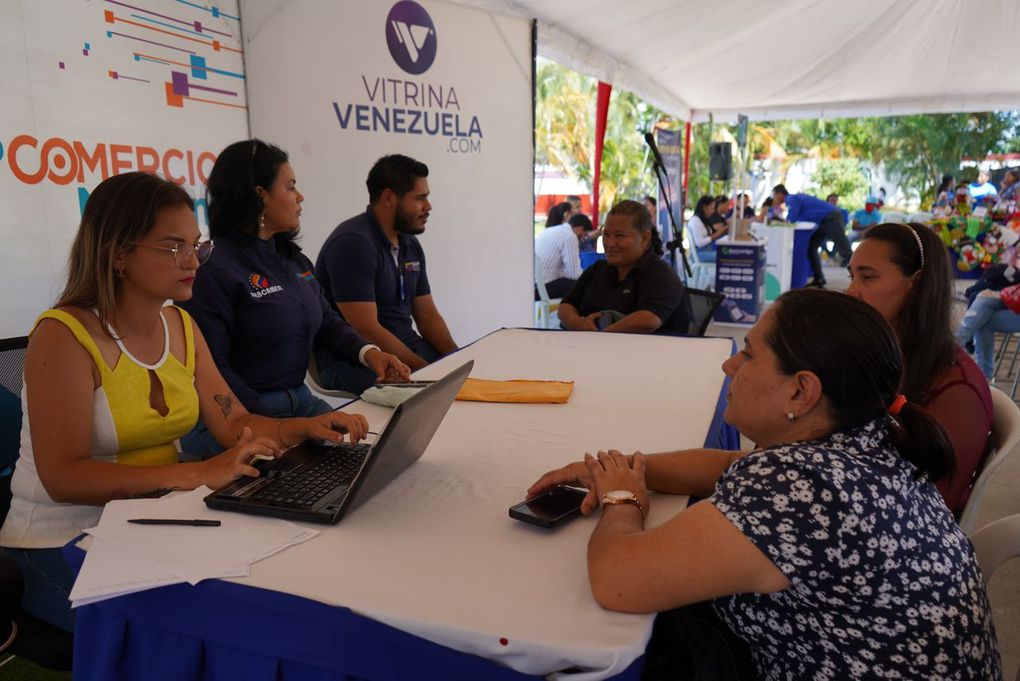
<point x="333" y="425"/>
<point x="387" y="367"/>
<point x="613" y="471"/>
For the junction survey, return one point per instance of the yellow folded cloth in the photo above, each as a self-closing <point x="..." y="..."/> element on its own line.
<point x="527" y="392"/>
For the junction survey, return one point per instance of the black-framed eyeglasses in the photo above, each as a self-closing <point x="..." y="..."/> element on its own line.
<point x="182" y="251"/>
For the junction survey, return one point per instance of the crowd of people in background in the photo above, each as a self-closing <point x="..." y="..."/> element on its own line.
<point x="952" y="198"/>
<point x="869" y="422"/>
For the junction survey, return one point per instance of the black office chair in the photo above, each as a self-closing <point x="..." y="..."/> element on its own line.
<point x="12" y="361"/>
<point x="701" y="306"/>
<point x="20" y="633"/>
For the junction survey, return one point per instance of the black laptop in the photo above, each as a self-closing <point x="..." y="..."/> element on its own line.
<point x="322" y="483"/>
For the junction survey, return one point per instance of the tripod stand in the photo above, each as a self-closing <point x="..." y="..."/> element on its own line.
<point x="677" y="242"/>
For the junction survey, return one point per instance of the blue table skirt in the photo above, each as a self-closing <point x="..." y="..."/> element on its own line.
<point x="721" y="435"/>
<point x="221" y="631"/>
<point x="800" y="268"/>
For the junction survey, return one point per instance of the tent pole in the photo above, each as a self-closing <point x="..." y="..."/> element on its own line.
<point x="601" y="113"/>
<point x="687" y="168"/>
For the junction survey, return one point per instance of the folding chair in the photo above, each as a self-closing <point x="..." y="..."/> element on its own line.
<point x="545" y="307"/>
<point x="702" y="273"/>
<point x="702" y="306"/>
<point x="315" y="383"/>
<point x="994" y="544"/>
<point x="1004" y="439"/>
<point x="12" y="362"/>
<point x="33" y="639"/>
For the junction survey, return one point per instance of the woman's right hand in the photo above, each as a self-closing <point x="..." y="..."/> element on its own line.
<point x="576" y="474"/>
<point x="224" y="468"/>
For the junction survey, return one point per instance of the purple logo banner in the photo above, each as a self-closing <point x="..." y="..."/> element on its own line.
<point x="411" y="37"/>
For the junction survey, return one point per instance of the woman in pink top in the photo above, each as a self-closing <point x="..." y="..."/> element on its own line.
<point x="903" y="272"/>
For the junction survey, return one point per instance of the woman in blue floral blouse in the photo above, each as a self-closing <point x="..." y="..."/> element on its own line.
<point x="826" y="549"/>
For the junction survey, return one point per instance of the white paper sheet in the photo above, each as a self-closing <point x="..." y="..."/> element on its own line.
<point x="108" y="572"/>
<point x="126" y="557"/>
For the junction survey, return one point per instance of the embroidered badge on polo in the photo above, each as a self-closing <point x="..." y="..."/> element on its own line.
<point x="260" y="286"/>
<point x="306" y="276"/>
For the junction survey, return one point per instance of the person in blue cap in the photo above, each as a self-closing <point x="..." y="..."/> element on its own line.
<point x="864" y="218"/>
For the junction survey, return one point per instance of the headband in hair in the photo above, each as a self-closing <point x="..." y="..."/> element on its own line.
<point x="917" y="238"/>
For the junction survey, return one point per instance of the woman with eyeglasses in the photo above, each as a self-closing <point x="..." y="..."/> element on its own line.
<point x="113" y="377"/>
<point x="258" y="302"/>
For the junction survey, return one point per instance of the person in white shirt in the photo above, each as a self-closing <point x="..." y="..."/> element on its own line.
<point x="558" y="255"/>
<point x="702" y="234"/>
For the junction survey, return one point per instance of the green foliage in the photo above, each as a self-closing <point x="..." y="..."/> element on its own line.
<point x="564" y="119"/>
<point x="626" y="163"/>
<point x="915" y="150"/>
<point x="565" y="134"/>
<point x="919" y="149"/>
<point x="841" y="176"/>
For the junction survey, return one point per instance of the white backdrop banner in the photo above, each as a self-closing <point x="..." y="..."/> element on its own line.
<point x="339" y="83"/>
<point x="93" y="89"/>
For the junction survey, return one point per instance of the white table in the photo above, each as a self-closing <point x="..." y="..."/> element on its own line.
<point x="434" y="554"/>
<point x="779" y="264"/>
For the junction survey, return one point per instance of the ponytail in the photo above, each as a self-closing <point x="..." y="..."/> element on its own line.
<point x="856" y="356"/>
<point x="922" y="441"/>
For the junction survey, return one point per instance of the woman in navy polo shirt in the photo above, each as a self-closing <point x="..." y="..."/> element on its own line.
<point x="632" y="290"/>
<point x="257" y="301"/>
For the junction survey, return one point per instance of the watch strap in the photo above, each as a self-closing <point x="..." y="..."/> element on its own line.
<point x="632" y="500"/>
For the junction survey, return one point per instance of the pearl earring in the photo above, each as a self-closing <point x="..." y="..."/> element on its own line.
<point x="790" y="416"/>
<point x="262" y="220"/>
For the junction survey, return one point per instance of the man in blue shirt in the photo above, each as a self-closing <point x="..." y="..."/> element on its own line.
<point x="982" y="188"/>
<point x="373" y="267"/>
<point x="864" y="218"/>
<point x="831" y="226"/>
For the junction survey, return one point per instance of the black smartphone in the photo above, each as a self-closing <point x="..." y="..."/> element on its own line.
<point x="552" y="507"/>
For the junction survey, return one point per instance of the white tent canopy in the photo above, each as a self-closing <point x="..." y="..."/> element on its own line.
<point x="789" y="59"/>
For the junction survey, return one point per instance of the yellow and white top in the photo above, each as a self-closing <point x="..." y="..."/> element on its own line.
<point x="126" y="429"/>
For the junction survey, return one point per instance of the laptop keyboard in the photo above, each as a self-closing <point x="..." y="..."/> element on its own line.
<point x="303" y="487"/>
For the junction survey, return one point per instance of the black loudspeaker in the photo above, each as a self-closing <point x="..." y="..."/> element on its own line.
<point x="720" y="165"/>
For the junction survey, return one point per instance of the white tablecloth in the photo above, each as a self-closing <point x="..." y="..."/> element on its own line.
<point x="435" y="553"/>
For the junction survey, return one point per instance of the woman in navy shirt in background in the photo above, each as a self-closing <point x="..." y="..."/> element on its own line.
<point x="257" y="300"/>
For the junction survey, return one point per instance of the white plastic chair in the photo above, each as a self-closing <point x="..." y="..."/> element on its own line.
<point x="545" y="307"/>
<point x="995" y="543"/>
<point x="1005" y="436"/>
<point x="702" y="273"/>
<point x="315" y="383"/>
